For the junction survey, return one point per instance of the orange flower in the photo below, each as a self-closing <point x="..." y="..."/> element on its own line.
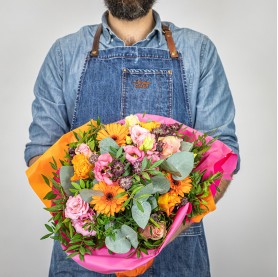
<point x="115" y="131"/>
<point x="180" y="187"/>
<point x="150" y="125"/>
<point x="107" y="203"/>
<point x="168" y="201"/>
<point x="81" y="167"/>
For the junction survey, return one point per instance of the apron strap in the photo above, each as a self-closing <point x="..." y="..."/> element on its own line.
<point x="170" y="42"/>
<point x="165" y="30"/>
<point x="94" y="52"/>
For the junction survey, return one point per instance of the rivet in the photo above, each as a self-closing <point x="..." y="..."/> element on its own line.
<point x="124" y="69"/>
<point x="169" y="71"/>
<point x="94" y="52"/>
<point x="173" y="53"/>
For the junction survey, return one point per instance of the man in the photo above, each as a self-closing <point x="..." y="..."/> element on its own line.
<point x="134" y="63"/>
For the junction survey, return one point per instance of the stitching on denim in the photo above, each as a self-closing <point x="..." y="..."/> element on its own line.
<point x="123" y="98"/>
<point x="76" y="105"/>
<point x="185" y="91"/>
<point x="170" y="89"/>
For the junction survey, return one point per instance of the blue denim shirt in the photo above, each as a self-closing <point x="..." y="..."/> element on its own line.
<point x="56" y="87"/>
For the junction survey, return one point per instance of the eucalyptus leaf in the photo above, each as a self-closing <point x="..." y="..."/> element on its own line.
<point x="87" y="194"/>
<point x="179" y="165"/>
<point x="186" y="146"/>
<point x="153" y="202"/>
<point x="120" y="245"/>
<point x="147" y="190"/>
<point x="105" y="145"/>
<point x="130" y="234"/>
<point x="160" y="184"/>
<point x="66" y="172"/>
<point x="141" y="218"/>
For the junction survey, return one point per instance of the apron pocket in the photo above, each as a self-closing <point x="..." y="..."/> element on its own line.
<point x="147" y="91"/>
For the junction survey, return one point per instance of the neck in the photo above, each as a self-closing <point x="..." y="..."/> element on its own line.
<point x="132" y="31"/>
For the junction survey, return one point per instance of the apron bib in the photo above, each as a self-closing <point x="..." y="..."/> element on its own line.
<point x="121" y="81"/>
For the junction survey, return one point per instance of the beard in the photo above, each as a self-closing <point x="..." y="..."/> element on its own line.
<point x="129" y="9"/>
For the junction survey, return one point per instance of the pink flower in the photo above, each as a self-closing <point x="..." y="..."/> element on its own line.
<point x="76" y="207"/>
<point x="153" y="232"/>
<point x="138" y="134"/>
<point x="84" y="219"/>
<point x="102" y="168"/>
<point x="84" y="149"/>
<point x="153" y="155"/>
<point x="133" y="154"/>
<point x="170" y="146"/>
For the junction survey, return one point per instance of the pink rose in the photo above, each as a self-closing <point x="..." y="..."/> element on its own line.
<point x="84" y="219"/>
<point x="102" y="168"/>
<point x="133" y="154"/>
<point x="76" y="207"/>
<point x="138" y="134"/>
<point x="84" y="149"/>
<point x="153" y="232"/>
<point x="170" y="146"/>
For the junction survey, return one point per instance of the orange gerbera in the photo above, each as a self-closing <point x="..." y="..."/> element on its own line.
<point x="180" y="187"/>
<point x="168" y="201"/>
<point x="107" y="203"/>
<point x="115" y="131"/>
<point x="150" y="125"/>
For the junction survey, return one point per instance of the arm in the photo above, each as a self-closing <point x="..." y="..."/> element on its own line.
<point x="49" y="112"/>
<point x="215" y="108"/>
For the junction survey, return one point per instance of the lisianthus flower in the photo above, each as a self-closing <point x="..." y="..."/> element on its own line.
<point x="150" y="125"/>
<point x="81" y="167"/>
<point x="102" y="168"/>
<point x="168" y="201"/>
<point x="147" y="142"/>
<point x="115" y="131"/>
<point x="180" y="187"/>
<point x="107" y="203"/>
<point x="81" y="221"/>
<point x="131" y="120"/>
<point x="171" y="145"/>
<point x="76" y="207"/>
<point x="153" y="232"/>
<point x="133" y="154"/>
<point x="84" y="149"/>
<point x="138" y="134"/>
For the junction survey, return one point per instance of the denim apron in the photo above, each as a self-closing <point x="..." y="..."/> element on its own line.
<point x="127" y="80"/>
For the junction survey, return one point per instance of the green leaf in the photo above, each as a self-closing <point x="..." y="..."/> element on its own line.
<point x="153" y="202"/>
<point x="147" y="190"/>
<point x="156" y="164"/>
<point x="105" y="145"/>
<point x="72" y="255"/>
<point x="73" y="247"/>
<point x="130" y="234"/>
<point x="146" y="175"/>
<point x="179" y="165"/>
<point x="139" y="206"/>
<point x="66" y="172"/>
<point x="186" y="146"/>
<point x="58" y="227"/>
<point x="120" y="194"/>
<point x="87" y="194"/>
<point x="119" y="152"/>
<point x="144" y="250"/>
<point x="160" y="184"/>
<point x="76" y="185"/>
<point x="46" y="180"/>
<point x="141" y="218"/>
<point x="49" y="228"/>
<point x="144" y="163"/>
<point x="118" y="245"/>
<point x="50" y="195"/>
<point x="82" y="184"/>
<point x="46" y="236"/>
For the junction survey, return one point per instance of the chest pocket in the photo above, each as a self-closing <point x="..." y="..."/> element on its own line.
<point x="147" y="91"/>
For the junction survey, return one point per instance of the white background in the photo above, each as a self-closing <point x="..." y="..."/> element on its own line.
<point x="241" y="234"/>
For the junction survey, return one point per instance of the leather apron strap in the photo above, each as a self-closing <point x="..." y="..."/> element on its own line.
<point x="165" y="30"/>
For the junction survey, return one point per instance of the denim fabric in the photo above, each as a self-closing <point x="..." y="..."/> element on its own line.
<point x="186" y="256"/>
<point x="147" y="81"/>
<point x="56" y="89"/>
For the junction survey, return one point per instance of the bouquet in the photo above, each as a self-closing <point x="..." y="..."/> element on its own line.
<point x="120" y="191"/>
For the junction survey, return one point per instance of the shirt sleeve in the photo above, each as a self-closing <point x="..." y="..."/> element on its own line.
<point x="215" y="106"/>
<point x="50" y="120"/>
